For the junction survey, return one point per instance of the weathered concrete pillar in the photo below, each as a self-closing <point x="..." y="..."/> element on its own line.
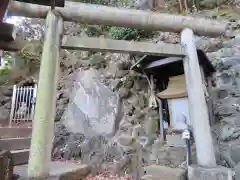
<point x="43" y="124"/>
<point x="197" y="105"/>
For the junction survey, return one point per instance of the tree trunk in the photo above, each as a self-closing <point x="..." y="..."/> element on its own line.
<point x="96" y="14"/>
<point x="43" y="124"/>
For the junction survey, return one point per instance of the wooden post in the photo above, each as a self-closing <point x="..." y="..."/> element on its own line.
<point x="197" y="105"/>
<point x="43" y="124"/>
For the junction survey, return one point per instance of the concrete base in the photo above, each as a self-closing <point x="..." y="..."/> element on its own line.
<point x="155" y="172"/>
<point x="58" y="171"/>
<point x="215" y="173"/>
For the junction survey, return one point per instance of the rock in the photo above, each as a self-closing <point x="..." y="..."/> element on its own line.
<point x="8" y="105"/>
<point x="147" y="141"/>
<point x="5" y="99"/>
<point x="226" y="110"/>
<point x="120" y="74"/>
<point x="124" y="65"/>
<point x="111" y="70"/>
<point x="138" y="115"/>
<point x="60" y="111"/>
<point x="97" y="61"/>
<point x="93" y="109"/>
<point x="210" y="3"/>
<point x="4" y="115"/>
<point x="233" y="152"/>
<point x="229" y="131"/>
<point x="215" y="173"/>
<point x="176" y="155"/>
<point x="231" y="61"/>
<point x="160" y="156"/>
<point x="143" y="4"/>
<point x="234" y="92"/>
<point x="223" y="52"/>
<point x="225" y="79"/>
<point x="119" y="166"/>
<point x="6" y="165"/>
<point x="128" y="109"/>
<point x="126" y="128"/>
<point x="237" y="171"/>
<point x="115" y="84"/>
<point x="126" y="140"/>
<point x="220" y="93"/>
<point x="7" y="91"/>
<point x="124" y="93"/>
<point x="168" y="156"/>
<point x="232" y="42"/>
<point x="207" y="44"/>
<point x="128" y="82"/>
<point x="137" y="100"/>
<point x="151" y="126"/>
<point x="137" y="130"/>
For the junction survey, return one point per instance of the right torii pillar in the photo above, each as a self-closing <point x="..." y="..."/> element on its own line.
<point x="197" y="104"/>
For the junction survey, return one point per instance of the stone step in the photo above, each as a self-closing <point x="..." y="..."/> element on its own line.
<point x="175" y="140"/>
<point x="20" y="156"/>
<point x="150" y="177"/>
<point x="59" y="170"/>
<point x="14" y="132"/>
<point x="163" y="172"/>
<point x="15" y="143"/>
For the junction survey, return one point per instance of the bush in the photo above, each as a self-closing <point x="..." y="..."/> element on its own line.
<point x="95" y="30"/>
<point x="128" y="33"/>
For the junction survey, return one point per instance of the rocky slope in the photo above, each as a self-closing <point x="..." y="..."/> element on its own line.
<point x="138" y="122"/>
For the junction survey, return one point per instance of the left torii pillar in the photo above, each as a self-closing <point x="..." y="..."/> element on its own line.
<point x="43" y="124"/>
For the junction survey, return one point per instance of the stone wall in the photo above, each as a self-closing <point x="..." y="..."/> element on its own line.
<point x="5" y="104"/>
<point x="138" y="124"/>
<point x="226" y="131"/>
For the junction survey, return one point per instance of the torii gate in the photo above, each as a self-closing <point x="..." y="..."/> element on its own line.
<point x="42" y="135"/>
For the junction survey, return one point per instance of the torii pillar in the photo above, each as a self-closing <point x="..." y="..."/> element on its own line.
<point x="197" y="104"/>
<point x="43" y="124"/>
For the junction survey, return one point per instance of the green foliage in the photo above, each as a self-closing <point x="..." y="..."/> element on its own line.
<point x="7" y="59"/>
<point x="165" y="115"/>
<point x="97" y="61"/>
<point x="95" y="30"/>
<point x="117" y="33"/>
<point x="128" y="33"/>
<point x="28" y="64"/>
<point x="5" y="71"/>
<point x="124" y="3"/>
<point x="5" y="74"/>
